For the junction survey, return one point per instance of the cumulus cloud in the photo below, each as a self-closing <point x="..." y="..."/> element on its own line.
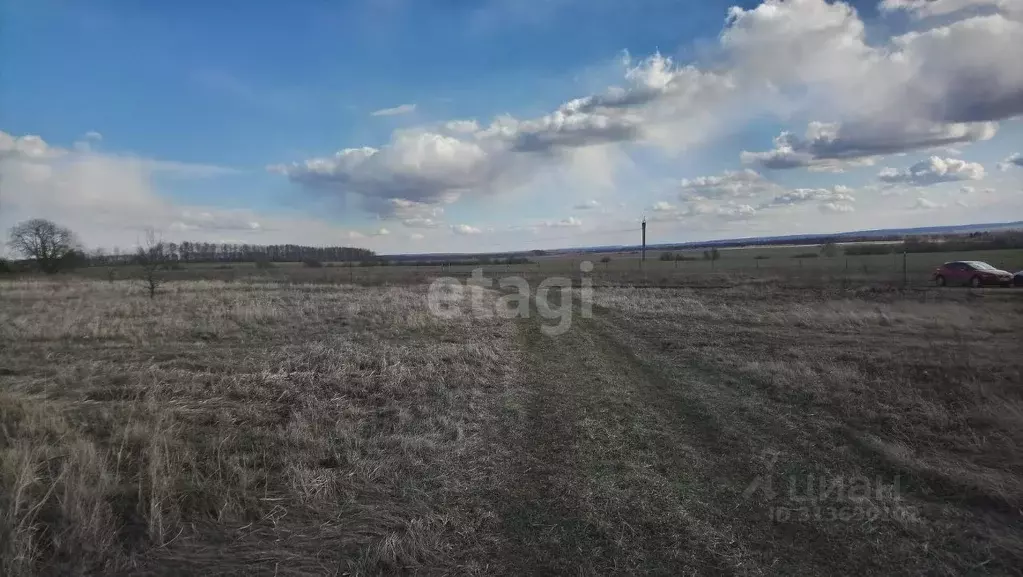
<point x="922" y="203"/>
<point x="834" y="145"/>
<point x="464" y="229"/>
<point x="395" y="111"/>
<point x="427" y="164"/>
<point x="1015" y="159"/>
<point x="836" y="207"/>
<point x="662" y="206"/>
<point x="702" y="211"/>
<point x="732" y="184"/>
<point x="570" y="222"/>
<point x="421" y="222"/>
<point x="935" y="86"/>
<point x="838" y="194"/>
<point x="928" y="8"/>
<point x="934" y="170"/>
<point x="108" y="199"/>
<point x="587" y="205"/>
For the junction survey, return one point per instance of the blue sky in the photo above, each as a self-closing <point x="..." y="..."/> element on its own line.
<point x="221" y="120"/>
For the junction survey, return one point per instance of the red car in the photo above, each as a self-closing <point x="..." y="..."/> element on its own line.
<point x="970" y="272"/>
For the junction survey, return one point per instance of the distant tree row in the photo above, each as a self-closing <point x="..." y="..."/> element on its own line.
<point x="198" y="252"/>
<point x="51" y="248"/>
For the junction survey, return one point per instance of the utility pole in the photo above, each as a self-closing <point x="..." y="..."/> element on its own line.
<point x="644" y="239"/>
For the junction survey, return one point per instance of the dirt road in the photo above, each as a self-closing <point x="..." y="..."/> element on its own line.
<point x="624" y="454"/>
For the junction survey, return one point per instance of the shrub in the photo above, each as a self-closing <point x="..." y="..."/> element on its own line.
<point x="806" y="255"/>
<point x="605" y="259"/>
<point x="312" y="263"/>
<point x="667" y="256"/>
<point x="761" y="257"/>
<point x="264" y="264"/>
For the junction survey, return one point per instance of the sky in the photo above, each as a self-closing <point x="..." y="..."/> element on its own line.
<point x="406" y="126"/>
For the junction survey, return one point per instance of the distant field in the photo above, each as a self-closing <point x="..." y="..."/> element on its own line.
<point x="622" y="269"/>
<point x="296" y="421"/>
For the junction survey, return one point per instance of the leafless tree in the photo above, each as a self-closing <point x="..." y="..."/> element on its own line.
<point x="49" y="244"/>
<point x="152" y="260"/>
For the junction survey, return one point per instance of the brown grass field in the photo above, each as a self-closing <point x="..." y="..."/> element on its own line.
<point x="289" y="422"/>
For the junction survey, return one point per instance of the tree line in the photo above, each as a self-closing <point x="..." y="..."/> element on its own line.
<point x="208" y="252"/>
<point x="52" y="248"/>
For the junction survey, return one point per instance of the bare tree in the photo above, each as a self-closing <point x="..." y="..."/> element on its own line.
<point x="153" y="260"/>
<point x="49" y="244"/>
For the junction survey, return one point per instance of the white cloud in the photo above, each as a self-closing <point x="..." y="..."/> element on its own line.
<point x="570" y="222"/>
<point x="421" y="222"/>
<point x="834" y="146"/>
<point x="934" y="170"/>
<point x="395" y="111"/>
<point x="702" y="211"/>
<point x="922" y="203"/>
<point x="838" y="194"/>
<point x="732" y="184"/>
<point x="932" y="87"/>
<point x="836" y="207"/>
<point x="662" y="206"/>
<point x="588" y="205"/>
<point x="928" y="8"/>
<point x="464" y="229"/>
<point x="109" y="199"/>
<point x="1015" y="159"/>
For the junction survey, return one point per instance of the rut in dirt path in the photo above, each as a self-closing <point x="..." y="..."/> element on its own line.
<point x="628" y="457"/>
<point x="598" y="481"/>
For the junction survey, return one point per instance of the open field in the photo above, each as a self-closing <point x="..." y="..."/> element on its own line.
<point x="773" y="264"/>
<point x="282" y="423"/>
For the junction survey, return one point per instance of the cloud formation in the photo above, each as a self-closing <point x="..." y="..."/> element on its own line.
<point x="110" y="199"/>
<point x="464" y="229"/>
<point x="395" y="111"/>
<point x="922" y="203"/>
<point x="934" y="170"/>
<point x="832" y="146"/>
<point x="1015" y="159"/>
<point x="731" y="184"/>
<point x="838" y="194"/>
<point x="932" y="87"/>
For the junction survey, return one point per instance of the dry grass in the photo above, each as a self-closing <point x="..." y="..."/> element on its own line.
<point x="233" y="426"/>
<point x="919" y="386"/>
<point x="265" y="427"/>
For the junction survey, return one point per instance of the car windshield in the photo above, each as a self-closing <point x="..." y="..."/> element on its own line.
<point x="980" y="265"/>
